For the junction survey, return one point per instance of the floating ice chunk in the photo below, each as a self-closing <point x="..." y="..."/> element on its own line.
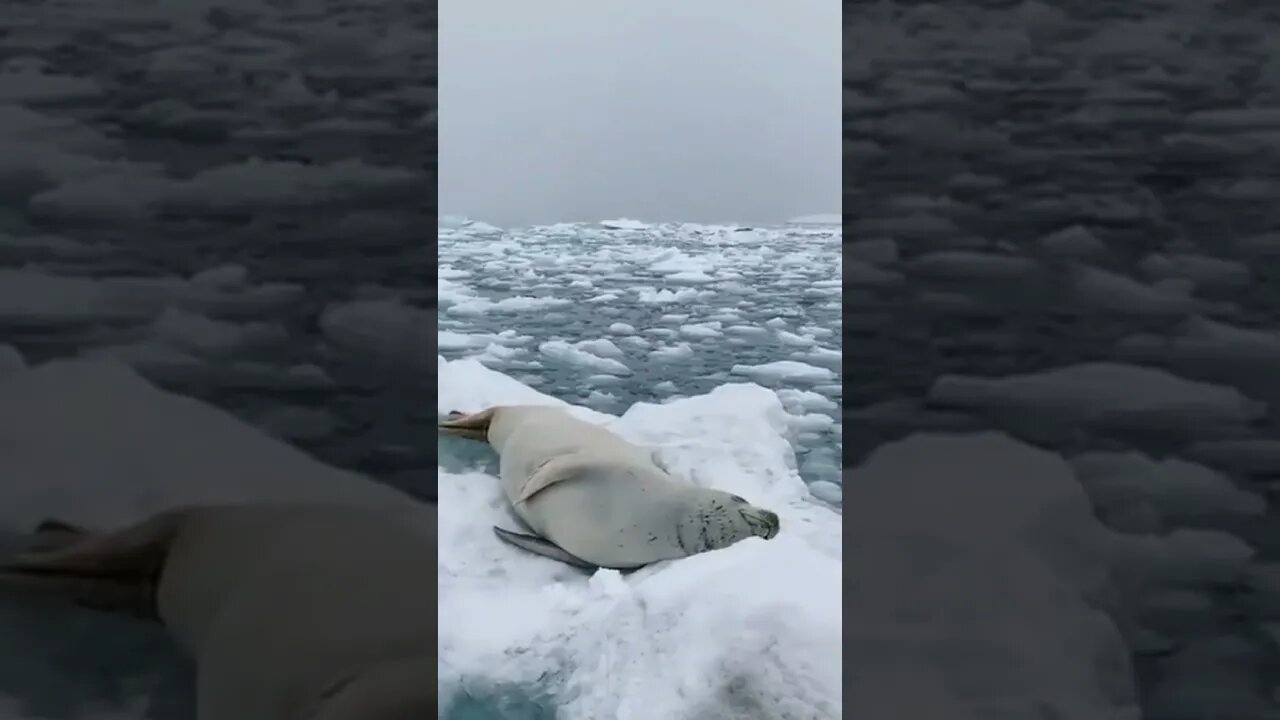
<point x="1073" y="242"/>
<point x="602" y="347"/>
<point x="204" y="337"/>
<point x="571" y="355"/>
<point x="253" y="301"/>
<point x="672" y="353"/>
<point x="380" y="329"/>
<point x="624" y="224"/>
<point x="1259" y="456"/>
<point x="825" y="356"/>
<point x="792" y="339"/>
<point x="1209" y="343"/>
<point x="1184" y="558"/>
<point x="1109" y="292"/>
<point x="1102" y="393"/>
<point x="622" y="329"/>
<point x="747" y="331"/>
<point x="690" y="277"/>
<point x="672" y="260"/>
<point x="517" y="304"/>
<point x="497" y="354"/>
<point x="785" y="370"/>
<point x="701" y="331"/>
<point x="827" y="492"/>
<point x="1202" y="270"/>
<point x="308" y="376"/>
<point x="650" y="296"/>
<point x="1176" y="489"/>
<point x="800" y="401"/>
<point x="811" y="423"/>
<point x="478" y="227"/>
<point x="451" y="340"/>
<point x="222" y="277"/>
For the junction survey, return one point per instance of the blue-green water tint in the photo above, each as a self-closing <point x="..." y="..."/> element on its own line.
<point x="767" y="295"/>
<point x="499" y="704"/>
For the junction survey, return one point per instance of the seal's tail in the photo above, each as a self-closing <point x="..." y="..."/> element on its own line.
<point x="473" y="427"/>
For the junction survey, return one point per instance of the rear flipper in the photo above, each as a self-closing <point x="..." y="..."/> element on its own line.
<point x="53" y="535"/>
<point x="543" y="547"/>
<point x="115" y="571"/>
<point x="473" y="427"/>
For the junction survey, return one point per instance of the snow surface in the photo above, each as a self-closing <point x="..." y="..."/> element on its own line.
<point x="700" y="637"/>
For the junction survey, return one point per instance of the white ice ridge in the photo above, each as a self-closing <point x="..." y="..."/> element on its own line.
<point x="748" y="632"/>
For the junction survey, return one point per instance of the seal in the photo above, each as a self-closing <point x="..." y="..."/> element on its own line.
<point x="594" y="500"/>
<point x="291" y="612"/>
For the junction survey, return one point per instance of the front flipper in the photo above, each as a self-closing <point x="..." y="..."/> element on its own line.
<point x="543" y="547"/>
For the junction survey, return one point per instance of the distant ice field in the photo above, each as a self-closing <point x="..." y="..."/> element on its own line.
<point x="608" y="314"/>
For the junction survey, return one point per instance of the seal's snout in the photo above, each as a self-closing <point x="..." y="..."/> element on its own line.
<point x="764" y="523"/>
<point x="772" y="523"/>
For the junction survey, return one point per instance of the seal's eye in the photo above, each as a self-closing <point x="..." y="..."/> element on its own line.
<point x="735" y="498"/>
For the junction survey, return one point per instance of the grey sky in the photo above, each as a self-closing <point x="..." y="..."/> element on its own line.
<point x="695" y="110"/>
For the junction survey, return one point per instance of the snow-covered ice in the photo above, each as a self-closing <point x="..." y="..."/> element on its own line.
<point x="688" y="639"/>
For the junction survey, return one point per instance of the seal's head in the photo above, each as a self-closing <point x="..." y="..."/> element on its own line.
<point x="719" y="519"/>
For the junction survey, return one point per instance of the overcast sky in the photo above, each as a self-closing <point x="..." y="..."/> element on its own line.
<point x="694" y="110"/>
